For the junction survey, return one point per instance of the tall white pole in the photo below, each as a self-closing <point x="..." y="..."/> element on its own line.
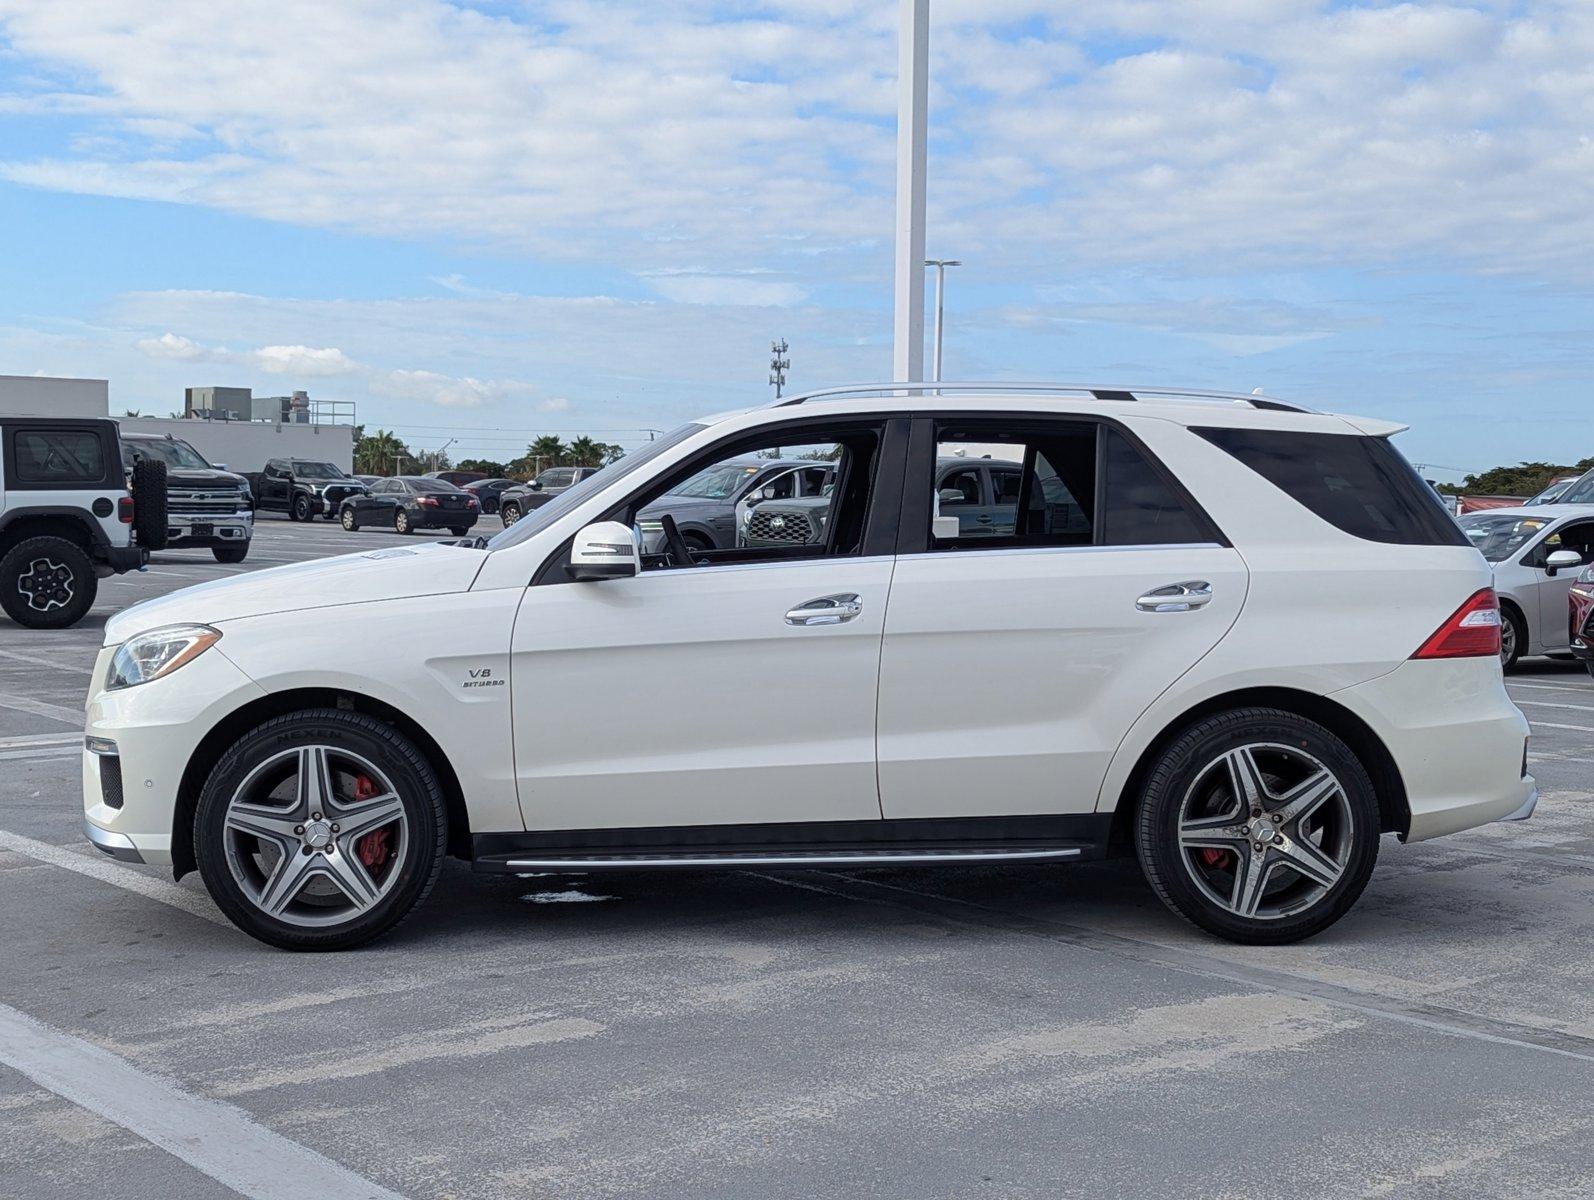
<point x="913" y="99"/>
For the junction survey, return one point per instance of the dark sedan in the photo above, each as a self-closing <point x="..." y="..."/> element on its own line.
<point x="410" y="502"/>
<point x="487" y="492"/>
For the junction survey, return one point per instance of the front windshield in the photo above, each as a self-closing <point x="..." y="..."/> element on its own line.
<point x="1581" y="492"/>
<point x="316" y="470"/>
<point x="718" y="482"/>
<point x="1500" y="535"/>
<point x="172" y="453"/>
<point x="539" y="519"/>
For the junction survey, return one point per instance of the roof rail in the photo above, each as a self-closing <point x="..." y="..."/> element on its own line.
<point x="1094" y="391"/>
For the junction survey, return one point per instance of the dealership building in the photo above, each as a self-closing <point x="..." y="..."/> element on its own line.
<point x="225" y="424"/>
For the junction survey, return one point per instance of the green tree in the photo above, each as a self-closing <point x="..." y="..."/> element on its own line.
<point x="486" y="466"/>
<point x="584" y="452"/>
<point x="1524" y="479"/>
<point x="381" y="453"/>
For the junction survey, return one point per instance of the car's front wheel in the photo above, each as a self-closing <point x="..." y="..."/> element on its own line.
<point x="509" y="513"/>
<point x="235" y="552"/>
<point x="320" y="830"/>
<point x="1258" y="825"/>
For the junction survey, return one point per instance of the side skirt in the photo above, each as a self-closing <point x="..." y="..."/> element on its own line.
<point x="1015" y="840"/>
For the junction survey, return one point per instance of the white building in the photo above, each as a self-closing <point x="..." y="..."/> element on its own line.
<point x="242" y="445"/>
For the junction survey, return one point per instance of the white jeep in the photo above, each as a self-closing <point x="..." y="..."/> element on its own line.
<point x="1236" y="638"/>
<point x="70" y="515"/>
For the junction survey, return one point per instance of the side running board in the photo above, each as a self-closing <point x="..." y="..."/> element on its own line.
<point x="837" y="857"/>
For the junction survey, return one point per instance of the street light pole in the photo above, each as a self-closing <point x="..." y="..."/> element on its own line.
<point x="940" y="265"/>
<point x="913" y="101"/>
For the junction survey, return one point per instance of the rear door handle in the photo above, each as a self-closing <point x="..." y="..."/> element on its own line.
<point x="1176" y="597"/>
<point x="826" y="610"/>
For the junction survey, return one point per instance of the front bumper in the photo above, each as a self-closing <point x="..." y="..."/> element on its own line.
<point x="1458" y="742"/>
<point x="151" y="732"/>
<point x="220" y="529"/>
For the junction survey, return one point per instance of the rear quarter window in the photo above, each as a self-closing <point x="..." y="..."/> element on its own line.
<point x="58" y="457"/>
<point x="1360" y="485"/>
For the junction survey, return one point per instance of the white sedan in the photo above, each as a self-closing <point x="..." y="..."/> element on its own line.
<point x="1536" y="552"/>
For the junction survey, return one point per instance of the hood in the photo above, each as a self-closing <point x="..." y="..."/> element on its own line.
<point x="391" y="573"/>
<point x="184" y="478"/>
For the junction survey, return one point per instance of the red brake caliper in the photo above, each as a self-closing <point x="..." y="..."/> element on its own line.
<point x="1213" y="857"/>
<point x="374" y="847"/>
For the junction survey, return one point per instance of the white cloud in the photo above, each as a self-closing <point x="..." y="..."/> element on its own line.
<point x="301" y="360"/>
<point x="170" y="345"/>
<point x="672" y="137"/>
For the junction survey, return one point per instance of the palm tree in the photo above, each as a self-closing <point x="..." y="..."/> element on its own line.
<point x="584" y="452"/>
<point x="548" y="450"/>
<point x="379" y="453"/>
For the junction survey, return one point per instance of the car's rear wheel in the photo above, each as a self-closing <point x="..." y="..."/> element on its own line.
<point x="1258" y="825"/>
<point x="349" y="520"/>
<point x="234" y="553"/>
<point x="1513" y="636"/>
<point x="401" y="521"/>
<point x="47" y="583"/>
<point x="510" y="513"/>
<point x="320" y="830"/>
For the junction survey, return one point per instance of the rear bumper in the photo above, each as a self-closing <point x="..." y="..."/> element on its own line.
<point x="127" y="558"/>
<point x="1458" y="741"/>
<point x="444" y="521"/>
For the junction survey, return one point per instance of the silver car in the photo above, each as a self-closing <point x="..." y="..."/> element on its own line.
<point x="1536" y="552"/>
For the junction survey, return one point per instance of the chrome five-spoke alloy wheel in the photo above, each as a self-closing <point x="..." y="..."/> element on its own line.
<point x="1265" y="831"/>
<point x="315" y="836"/>
<point x="46" y="585"/>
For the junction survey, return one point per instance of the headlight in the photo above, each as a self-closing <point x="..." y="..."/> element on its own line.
<point x="158" y="652"/>
<point x="1587" y="576"/>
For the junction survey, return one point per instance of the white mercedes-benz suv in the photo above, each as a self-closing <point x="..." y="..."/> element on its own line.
<point x="1238" y="639"/>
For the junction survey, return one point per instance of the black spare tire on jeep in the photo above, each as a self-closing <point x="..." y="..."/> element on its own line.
<point x="149" y="503"/>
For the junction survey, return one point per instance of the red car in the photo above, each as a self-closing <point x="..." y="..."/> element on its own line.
<point x="1581" y="601"/>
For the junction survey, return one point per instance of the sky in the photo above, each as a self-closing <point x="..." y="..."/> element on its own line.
<point x="489" y="220"/>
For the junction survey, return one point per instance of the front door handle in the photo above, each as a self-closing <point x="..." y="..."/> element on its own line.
<point x="1176" y="597"/>
<point x="826" y="610"/>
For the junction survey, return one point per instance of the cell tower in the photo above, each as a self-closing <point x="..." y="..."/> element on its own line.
<point x="778" y="364"/>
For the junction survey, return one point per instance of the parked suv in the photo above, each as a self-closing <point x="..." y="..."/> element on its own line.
<point x="710" y="508"/>
<point x="515" y="502"/>
<point x="207" y="507"/>
<point x="70" y="516"/>
<point x="1265" y="645"/>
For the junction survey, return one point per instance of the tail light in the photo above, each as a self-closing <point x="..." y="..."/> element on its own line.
<point x="470" y="504"/>
<point x="1472" y="631"/>
<point x="426" y="501"/>
<point x="124" y="510"/>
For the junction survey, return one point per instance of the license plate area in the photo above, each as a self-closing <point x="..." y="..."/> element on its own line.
<point x="199" y="529"/>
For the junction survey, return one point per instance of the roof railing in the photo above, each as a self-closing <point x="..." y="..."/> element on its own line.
<point x="1003" y="387"/>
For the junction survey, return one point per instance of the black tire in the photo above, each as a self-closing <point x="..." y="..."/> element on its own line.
<point x="47" y="583"/>
<point x="698" y="543"/>
<point x="149" y="503"/>
<point x="1182" y="769"/>
<point x="461" y="532"/>
<point x="348" y="520"/>
<point x="1511" y="647"/>
<point x="414" y="782"/>
<point x="509" y="513"/>
<point x="401" y="522"/>
<point x="301" y="508"/>
<point x="1589" y="664"/>
<point x="234" y="553"/>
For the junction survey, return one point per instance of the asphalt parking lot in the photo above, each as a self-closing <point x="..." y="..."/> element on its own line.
<point x="1019" y="1032"/>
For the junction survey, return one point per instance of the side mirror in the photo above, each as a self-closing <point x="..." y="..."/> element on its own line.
<point x="219" y="466"/>
<point x="1561" y="560"/>
<point x="604" y="550"/>
<point x="535" y="485"/>
<point x="952" y="496"/>
<point x="765" y="493"/>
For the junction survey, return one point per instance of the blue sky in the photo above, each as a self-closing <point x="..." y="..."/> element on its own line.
<point x="496" y="219"/>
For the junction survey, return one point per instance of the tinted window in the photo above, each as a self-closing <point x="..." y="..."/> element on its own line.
<point x="1580" y="492"/>
<point x="1500" y="535"/>
<point x="432" y="485"/>
<point x="59" y="456"/>
<point x="558" y="477"/>
<point x="169" y="451"/>
<point x="1139" y="506"/>
<point x="316" y="470"/>
<point x="1361" y="485"/>
<point x="960" y="488"/>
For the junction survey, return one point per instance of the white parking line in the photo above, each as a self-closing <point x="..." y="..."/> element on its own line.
<point x="1556" y="704"/>
<point x="217" y="1139"/>
<point x="57" y="752"/>
<point x="1548" y="687"/>
<point x="1553" y="725"/>
<point x="38" y="708"/>
<point x="108" y="871"/>
<point x="40" y="661"/>
<point x="30" y="741"/>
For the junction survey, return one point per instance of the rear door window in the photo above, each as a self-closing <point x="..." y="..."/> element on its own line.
<point x="1360" y="485"/>
<point x="59" y="457"/>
